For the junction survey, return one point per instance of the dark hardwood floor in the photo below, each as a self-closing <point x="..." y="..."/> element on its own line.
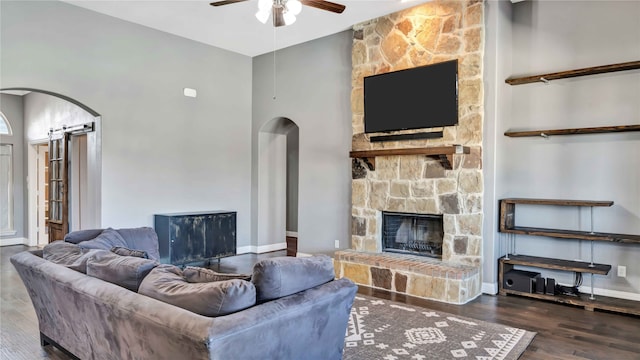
<point x="564" y="332"/>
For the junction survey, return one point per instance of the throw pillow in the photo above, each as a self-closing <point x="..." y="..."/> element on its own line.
<point x="126" y="271"/>
<point x="123" y="251"/>
<point x="68" y="254"/>
<point x="105" y="241"/>
<point x="166" y="283"/>
<point x="201" y="275"/>
<point x="79" y="236"/>
<point x="282" y="276"/>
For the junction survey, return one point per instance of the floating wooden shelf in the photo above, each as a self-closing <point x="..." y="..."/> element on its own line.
<point x="507" y="221"/>
<point x="601" y="302"/>
<point x="557" y="202"/>
<point x="573" y="234"/>
<point x="632" y="65"/>
<point x="442" y="153"/>
<point x="557" y="264"/>
<point x="575" y="131"/>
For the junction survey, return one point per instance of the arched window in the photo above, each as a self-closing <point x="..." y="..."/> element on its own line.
<point x="5" y="127"/>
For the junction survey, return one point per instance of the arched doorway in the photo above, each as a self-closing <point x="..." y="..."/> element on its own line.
<point x="278" y="151"/>
<point x="47" y="112"/>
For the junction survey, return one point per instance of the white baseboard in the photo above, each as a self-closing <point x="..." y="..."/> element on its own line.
<point x="14" y="241"/>
<point x="260" y="249"/>
<point x="299" y="254"/>
<point x="611" y="293"/>
<point x="243" y="250"/>
<point x="270" y="248"/>
<point x="292" y="234"/>
<point x="490" y="288"/>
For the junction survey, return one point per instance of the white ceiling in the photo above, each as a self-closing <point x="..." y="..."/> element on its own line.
<point x="234" y="27"/>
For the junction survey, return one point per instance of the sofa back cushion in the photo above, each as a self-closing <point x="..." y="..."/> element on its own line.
<point x="141" y="238"/>
<point x="282" y="276"/>
<point x="201" y="275"/>
<point x="126" y="271"/>
<point x="106" y="240"/>
<point x="67" y="254"/>
<point x="167" y="284"/>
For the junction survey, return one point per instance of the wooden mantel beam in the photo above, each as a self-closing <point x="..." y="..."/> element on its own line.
<point x="443" y="153"/>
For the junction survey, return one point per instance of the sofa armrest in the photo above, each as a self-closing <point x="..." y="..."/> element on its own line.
<point x="307" y="325"/>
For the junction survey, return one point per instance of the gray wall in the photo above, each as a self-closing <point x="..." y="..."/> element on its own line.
<point x="161" y="151"/>
<point x="12" y="107"/>
<point x="497" y="104"/>
<point x="313" y="82"/>
<point x="551" y="36"/>
<point x="293" y="172"/>
<point x="42" y="112"/>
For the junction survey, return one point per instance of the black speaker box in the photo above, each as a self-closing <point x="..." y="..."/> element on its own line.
<point x="520" y="280"/>
<point x="551" y="286"/>
<point x="540" y="285"/>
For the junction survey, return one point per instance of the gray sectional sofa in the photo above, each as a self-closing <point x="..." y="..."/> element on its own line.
<point x="299" y="313"/>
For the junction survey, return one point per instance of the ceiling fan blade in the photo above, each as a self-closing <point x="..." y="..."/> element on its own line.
<point x="225" y="2"/>
<point x="324" y="5"/>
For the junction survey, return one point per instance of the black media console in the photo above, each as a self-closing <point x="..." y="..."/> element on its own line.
<point x="196" y="236"/>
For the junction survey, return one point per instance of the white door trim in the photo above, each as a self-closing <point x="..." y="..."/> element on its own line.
<point x="32" y="189"/>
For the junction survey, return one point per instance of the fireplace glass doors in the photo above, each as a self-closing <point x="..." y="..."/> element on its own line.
<point x="416" y="234"/>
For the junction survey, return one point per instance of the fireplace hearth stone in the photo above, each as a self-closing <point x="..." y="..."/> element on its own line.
<point x="419" y="276"/>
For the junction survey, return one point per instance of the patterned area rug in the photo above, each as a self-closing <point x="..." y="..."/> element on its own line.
<point x="387" y="330"/>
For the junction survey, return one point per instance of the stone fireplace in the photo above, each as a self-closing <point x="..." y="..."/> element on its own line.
<point x="418" y="184"/>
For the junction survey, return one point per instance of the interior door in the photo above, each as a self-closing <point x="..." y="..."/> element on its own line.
<point x="58" y="222"/>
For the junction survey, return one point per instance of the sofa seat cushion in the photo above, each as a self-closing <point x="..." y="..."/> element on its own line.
<point x="201" y="275"/>
<point x="107" y="239"/>
<point x="126" y="271"/>
<point x="67" y="254"/>
<point x="282" y="276"/>
<point x="167" y="284"/>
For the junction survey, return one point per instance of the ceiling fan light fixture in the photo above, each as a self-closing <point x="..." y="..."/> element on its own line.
<point x="289" y="18"/>
<point x="263" y="15"/>
<point x="294" y="7"/>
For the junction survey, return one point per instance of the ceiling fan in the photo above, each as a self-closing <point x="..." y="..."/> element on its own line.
<point x="284" y="11"/>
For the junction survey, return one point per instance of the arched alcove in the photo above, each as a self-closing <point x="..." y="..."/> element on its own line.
<point x="278" y="144"/>
<point x="45" y="110"/>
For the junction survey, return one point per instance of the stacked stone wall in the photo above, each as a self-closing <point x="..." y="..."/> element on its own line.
<point x="430" y="33"/>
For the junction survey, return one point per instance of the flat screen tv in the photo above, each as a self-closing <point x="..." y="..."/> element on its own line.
<point x="416" y="98"/>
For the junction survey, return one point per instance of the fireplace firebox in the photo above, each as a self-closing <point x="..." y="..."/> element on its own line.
<point x="417" y="234"/>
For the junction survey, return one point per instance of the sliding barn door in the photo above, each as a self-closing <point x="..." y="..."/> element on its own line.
<point x="58" y="187"/>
